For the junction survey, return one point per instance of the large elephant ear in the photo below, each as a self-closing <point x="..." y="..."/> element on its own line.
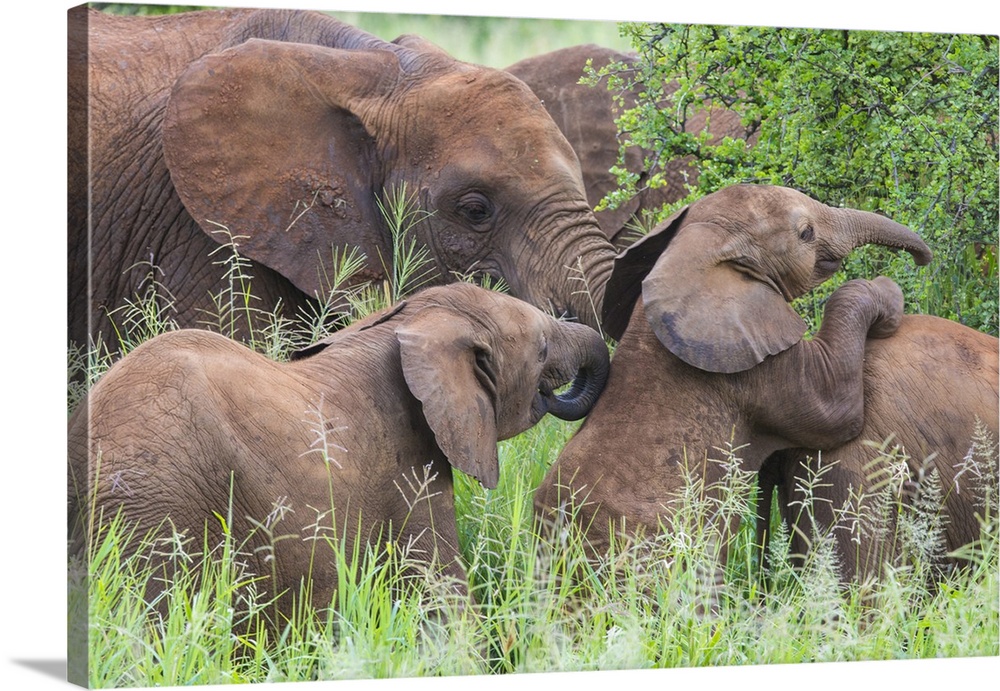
<point x="264" y="140"/>
<point x="439" y="349"/>
<point x="712" y="306"/>
<point x="630" y="268"/>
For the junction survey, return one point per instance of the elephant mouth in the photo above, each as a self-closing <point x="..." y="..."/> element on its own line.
<point x="484" y="274"/>
<point x="826" y="266"/>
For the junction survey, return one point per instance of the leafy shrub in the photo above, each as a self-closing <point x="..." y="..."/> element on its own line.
<point x="899" y="123"/>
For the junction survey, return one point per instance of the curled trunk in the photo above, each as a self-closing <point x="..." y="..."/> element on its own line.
<point x="586" y="349"/>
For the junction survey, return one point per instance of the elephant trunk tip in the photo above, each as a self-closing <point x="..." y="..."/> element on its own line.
<point x="884" y="231"/>
<point x="921" y="255"/>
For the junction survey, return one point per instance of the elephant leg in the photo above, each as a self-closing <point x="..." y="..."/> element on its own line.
<point x="768" y="479"/>
<point x="825" y="499"/>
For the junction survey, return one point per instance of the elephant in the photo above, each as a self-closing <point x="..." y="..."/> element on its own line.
<point x="191" y="424"/>
<point x="930" y="390"/>
<point x="712" y="354"/>
<point x="285" y="134"/>
<point x="586" y="115"/>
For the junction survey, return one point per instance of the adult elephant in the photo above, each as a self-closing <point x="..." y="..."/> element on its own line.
<point x="586" y="115"/>
<point x="287" y="130"/>
<point x="712" y="353"/>
<point x="354" y="438"/>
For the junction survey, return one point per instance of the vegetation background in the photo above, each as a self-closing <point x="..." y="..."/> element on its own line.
<point x="33" y="580"/>
<point x="899" y="123"/>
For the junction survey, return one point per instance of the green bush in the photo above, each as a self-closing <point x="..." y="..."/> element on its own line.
<point x="903" y="124"/>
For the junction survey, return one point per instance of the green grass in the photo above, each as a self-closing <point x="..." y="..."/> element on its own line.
<point x="541" y="608"/>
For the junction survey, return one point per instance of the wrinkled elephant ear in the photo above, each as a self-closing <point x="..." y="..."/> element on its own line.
<point x="419" y="44"/>
<point x="440" y="354"/>
<point x="631" y="266"/>
<point x="711" y="306"/>
<point x="264" y="139"/>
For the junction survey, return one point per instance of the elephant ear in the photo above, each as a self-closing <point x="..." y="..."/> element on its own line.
<point x="712" y="307"/>
<point x="441" y="358"/>
<point x="264" y="140"/>
<point x="421" y="45"/>
<point x="630" y="267"/>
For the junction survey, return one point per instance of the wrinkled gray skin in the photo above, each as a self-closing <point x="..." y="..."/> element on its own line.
<point x="287" y="128"/>
<point x="430" y="384"/>
<point x="586" y="115"/>
<point x="712" y="353"/>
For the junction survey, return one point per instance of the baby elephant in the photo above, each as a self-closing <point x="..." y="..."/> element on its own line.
<point x="710" y="353"/>
<point x="357" y="435"/>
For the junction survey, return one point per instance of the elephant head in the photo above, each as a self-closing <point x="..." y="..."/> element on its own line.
<point x="295" y="145"/>
<point x="485" y="367"/>
<point x="740" y="255"/>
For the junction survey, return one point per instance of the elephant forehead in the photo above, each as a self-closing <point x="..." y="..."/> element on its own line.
<point x="748" y="203"/>
<point x="459" y="106"/>
<point x="493" y="88"/>
<point x="514" y="320"/>
<point x="501" y="314"/>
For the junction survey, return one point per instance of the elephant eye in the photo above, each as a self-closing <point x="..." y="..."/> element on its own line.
<point x="475" y="208"/>
<point x="807" y="234"/>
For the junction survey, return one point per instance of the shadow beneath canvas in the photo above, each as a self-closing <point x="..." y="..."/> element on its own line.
<point x="50" y="668"/>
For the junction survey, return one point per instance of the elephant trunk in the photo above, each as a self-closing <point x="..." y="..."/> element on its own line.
<point x="584" y="348"/>
<point x="865" y="227"/>
<point x="572" y="266"/>
<point x="589" y="276"/>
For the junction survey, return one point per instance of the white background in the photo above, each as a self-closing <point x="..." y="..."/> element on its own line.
<point x="32" y="311"/>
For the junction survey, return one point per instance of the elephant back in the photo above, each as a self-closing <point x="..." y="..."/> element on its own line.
<point x="932" y="389"/>
<point x="957" y="363"/>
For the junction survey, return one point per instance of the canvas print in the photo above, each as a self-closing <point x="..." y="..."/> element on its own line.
<point x="420" y="346"/>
